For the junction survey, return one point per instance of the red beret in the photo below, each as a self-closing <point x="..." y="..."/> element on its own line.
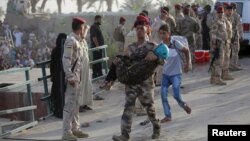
<point x="225" y="4"/>
<point x="122" y="19"/>
<point x="79" y="20"/>
<point x="141" y="20"/>
<point x="178" y="6"/>
<point x="220" y="9"/>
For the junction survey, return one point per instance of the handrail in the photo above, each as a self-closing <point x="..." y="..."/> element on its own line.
<point x="30" y="108"/>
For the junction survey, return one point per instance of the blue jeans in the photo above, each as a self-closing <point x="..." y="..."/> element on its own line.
<point x="175" y="80"/>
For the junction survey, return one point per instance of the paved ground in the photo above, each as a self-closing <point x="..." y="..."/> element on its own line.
<point x="210" y="104"/>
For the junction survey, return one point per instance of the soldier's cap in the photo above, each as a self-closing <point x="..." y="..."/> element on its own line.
<point x="178" y="6"/>
<point x="122" y="19"/>
<point x="141" y="20"/>
<point x="220" y="9"/>
<point x="79" y="20"/>
<point x="217" y="4"/>
<point x="225" y="4"/>
<point x="234" y="5"/>
<point x="230" y="7"/>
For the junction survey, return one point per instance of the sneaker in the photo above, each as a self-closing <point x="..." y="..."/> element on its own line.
<point x="80" y="134"/>
<point x="166" y="119"/>
<point x="145" y="122"/>
<point x="119" y="138"/>
<point x="98" y="98"/>
<point x="187" y="109"/>
<point x="69" y="136"/>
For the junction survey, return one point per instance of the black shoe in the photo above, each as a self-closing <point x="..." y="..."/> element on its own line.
<point x="87" y="107"/>
<point x="98" y="98"/>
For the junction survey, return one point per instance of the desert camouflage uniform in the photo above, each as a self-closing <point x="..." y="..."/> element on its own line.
<point x="236" y="35"/>
<point x="73" y="54"/>
<point x="188" y="29"/>
<point x="227" y="50"/>
<point x="219" y="39"/>
<point x="144" y="92"/>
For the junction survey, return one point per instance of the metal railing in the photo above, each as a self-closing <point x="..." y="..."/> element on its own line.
<point x="30" y="108"/>
<point x="44" y="77"/>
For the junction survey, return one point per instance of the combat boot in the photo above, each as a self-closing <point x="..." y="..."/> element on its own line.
<point x="156" y="134"/>
<point x="226" y="76"/>
<point x="80" y="134"/>
<point x="235" y="68"/>
<point x="69" y="137"/>
<point x="156" y="129"/>
<point x="217" y="81"/>
<point x="119" y="138"/>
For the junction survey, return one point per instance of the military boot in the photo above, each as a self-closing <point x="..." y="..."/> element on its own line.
<point x="226" y="76"/>
<point x="80" y="134"/>
<point x="119" y="138"/>
<point x="235" y="68"/>
<point x="69" y="137"/>
<point x="217" y="81"/>
<point x="156" y="129"/>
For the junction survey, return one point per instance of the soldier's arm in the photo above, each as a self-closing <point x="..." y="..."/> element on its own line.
<point x="67" y="57"/>
<point x="239" y="26"/>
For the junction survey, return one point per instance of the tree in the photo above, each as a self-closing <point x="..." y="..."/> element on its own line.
<point x="1" y="12"/>
<point x="109" y="3"/>
<point x="33" y="5"/>
<point x="43" y="5"/>
<point x="138" y="5"/>
<point x="59" y="6"/>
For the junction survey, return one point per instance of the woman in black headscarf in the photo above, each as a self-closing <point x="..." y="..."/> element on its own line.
<point x="57" y="76"/>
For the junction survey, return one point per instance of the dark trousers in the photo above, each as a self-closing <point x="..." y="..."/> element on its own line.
<point x="111" y="76"/>
<point x="97" y="68"/>
<point x="206" y="40"/>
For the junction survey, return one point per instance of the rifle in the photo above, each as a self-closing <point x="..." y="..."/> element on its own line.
<point x="216" y="54"/>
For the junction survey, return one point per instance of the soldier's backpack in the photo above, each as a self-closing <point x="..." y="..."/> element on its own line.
<point x="118" y="35"/>
<point x="182" y="40"/>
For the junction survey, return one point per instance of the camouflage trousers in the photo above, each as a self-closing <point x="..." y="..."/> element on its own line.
<point x="235" y="52"/>
<point x="71" y="109"/>
<point x="145" y="93"/>
<point x="227" y="53"/>
<point x="218" y="63"/>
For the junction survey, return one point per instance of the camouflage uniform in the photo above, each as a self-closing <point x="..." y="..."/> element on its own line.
<point x="219" y="39"/>
<point x="178" y="16"/>
<point x="172" y="23"/>
<point x="236" y="35"/>
<point x="144" y="92"/>
<point x="227" y="49"/>
<point x="73" y="54"/>
<point x="188" y="28"/>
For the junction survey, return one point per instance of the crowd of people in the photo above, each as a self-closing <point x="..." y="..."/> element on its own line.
<point x="21" y="48"/>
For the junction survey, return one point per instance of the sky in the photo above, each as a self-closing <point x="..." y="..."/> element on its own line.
<point x="68" y="7"/>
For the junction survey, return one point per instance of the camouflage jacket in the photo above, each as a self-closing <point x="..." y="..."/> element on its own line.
<point x="74" y="50"/>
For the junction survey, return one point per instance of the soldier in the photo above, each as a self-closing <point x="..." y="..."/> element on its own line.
<point x="211" y="17"/>
<point x="74" y="58"/>
<point x="188" y="29"/>
<point x="144" y="91"/>
<point x="218" y="38"/>
<point x="235" y="42"/>
<point x="227" y="53"/>
<point x="178" y="15"/>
